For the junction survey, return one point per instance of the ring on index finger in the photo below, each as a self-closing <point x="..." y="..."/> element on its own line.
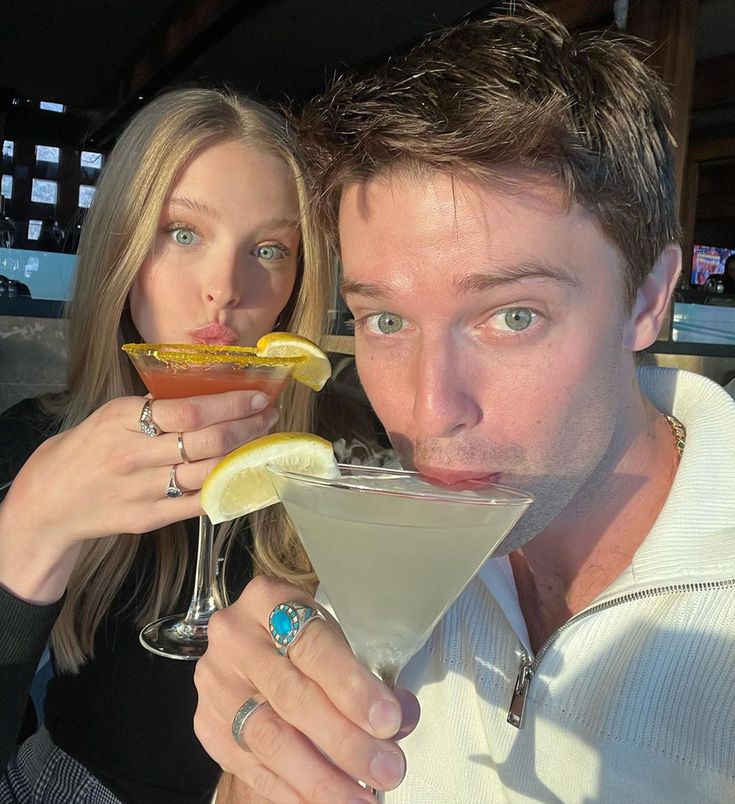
<point x="145" y="420"/>
<point x="288" y="621"/>
<point x="247" y="710"/>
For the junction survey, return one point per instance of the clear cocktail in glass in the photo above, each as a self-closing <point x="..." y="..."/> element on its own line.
<point x="393" y="551"/>
<point x="174" y="371"/>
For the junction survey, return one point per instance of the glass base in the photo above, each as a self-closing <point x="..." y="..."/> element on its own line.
<point x="174" y="638"/>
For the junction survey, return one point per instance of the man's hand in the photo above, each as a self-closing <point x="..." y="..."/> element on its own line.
<point x="330" y="721"/>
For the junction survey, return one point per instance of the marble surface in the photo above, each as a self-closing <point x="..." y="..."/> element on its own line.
<point x="32" y="357"/>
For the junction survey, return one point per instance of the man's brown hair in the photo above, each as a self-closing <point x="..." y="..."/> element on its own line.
<point x="515" y="90"/>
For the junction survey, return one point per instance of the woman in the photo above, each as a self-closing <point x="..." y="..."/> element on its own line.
<point x="197" y="234"/>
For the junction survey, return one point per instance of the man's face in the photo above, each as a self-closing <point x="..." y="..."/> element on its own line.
<point x="490" y="333"/>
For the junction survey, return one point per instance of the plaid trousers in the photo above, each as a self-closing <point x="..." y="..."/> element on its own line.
<point x="41" y="773"/>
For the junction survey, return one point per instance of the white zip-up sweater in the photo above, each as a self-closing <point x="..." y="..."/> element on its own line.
<point x="632" y="700"/>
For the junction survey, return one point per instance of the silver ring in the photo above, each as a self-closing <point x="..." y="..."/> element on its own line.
<point x="172" y="490"/>
<point x="147" y="425"/>
<point x="180" y="445"/>
<point x="248" y="709"/>
<point x="288" y="621"/>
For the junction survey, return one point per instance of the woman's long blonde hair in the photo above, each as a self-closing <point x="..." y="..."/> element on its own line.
<point x="116" y="239"/>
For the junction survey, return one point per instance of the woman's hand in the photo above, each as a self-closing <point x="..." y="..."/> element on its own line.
<point x="105" y="476"/>
<point x="330" y="721"/>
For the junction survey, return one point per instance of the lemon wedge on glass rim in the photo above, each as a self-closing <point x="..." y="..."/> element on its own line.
<point x="312" y="372"/>
<point x="240" y="484"/>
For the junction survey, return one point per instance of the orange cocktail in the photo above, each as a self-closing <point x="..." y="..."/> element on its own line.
<point x="174" y="371"/>
<point x="165" y="384"/>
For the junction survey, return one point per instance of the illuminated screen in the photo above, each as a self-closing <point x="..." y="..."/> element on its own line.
<point x="708" y="260"/>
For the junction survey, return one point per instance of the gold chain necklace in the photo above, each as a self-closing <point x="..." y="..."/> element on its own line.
<point x="680" y="434"/>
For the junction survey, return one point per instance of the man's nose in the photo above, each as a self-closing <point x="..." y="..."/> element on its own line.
<point x="445" y="402"/>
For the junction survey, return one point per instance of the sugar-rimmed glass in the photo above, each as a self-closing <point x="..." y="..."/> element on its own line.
<point x="174" y="371"/>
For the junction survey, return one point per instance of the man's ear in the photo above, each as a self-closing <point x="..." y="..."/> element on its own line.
<point x="652" y="300"/>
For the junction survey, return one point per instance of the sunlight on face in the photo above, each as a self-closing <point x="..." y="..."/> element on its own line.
<point x="224" y="260"/>
<point x="488" y="331"/>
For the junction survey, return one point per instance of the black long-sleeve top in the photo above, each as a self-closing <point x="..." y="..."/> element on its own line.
<point x="127" y="715"/>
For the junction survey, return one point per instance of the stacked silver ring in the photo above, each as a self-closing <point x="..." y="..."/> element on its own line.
<point x="172" y="490"/>
<point x="145" y="420"/>
<point x="247" y="710"/>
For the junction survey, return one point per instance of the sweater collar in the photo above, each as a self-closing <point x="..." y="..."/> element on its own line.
<point x="693" y="538"/>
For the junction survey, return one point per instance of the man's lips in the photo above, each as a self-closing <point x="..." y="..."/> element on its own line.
<point x="457" y="479"/>
<point x="215" y="333"/>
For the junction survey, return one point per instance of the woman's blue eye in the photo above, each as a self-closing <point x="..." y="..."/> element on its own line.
<point x="388" y="323"/>
<point x="518" y="318"/>
<point x="270" y="252"/>
<point x="183" y="236"/>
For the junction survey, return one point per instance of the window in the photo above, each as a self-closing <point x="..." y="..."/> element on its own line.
<point x="43" y="192"/>
<point x="90" y="163"/>
<point x="8" y="148"/>
<point x="47" y="153"/>
<point x="34" y="230"/>
<point x="90" y="160"/>
<point x="6" y="188"/>
<point x="86" y="194"/>
<point x="51" y="107"/>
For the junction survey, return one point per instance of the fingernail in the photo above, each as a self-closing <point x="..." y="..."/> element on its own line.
<point x="258" y="401"/>
<point x="388" y="768"/>
<point x="385" y="718"/>
<point x="272" y="417"/>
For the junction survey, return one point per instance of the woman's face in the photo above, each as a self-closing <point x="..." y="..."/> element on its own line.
<point x="223" y="263"/>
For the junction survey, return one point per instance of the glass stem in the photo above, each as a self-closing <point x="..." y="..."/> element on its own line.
<point x="202" y="604"/>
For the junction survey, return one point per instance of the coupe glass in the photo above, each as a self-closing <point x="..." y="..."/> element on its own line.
<point x="173" y="371"/>
<point x="393" y="551"/>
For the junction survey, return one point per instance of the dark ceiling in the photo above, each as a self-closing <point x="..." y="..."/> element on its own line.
<point x="103" y="58"/>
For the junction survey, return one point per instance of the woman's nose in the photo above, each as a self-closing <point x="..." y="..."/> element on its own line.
<point x="223" y="284"/>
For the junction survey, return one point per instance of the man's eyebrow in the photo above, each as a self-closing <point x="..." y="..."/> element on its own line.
<point x="477" y="281"/>
<point x="375" y="290"/>
<point x="516" y="273"/>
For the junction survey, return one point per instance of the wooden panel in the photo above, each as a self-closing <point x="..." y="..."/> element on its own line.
<point x="669" y="26"/>
<point x="707" y="150"/>
<point x="576" y="14"/>
<point x="714" y="82"/>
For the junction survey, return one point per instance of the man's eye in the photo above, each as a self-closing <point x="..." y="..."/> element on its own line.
<point x="385" y="323"/>
<point x="270" y="252"/>
<point x="183" y="236"/>
<point x="515" y="319"/>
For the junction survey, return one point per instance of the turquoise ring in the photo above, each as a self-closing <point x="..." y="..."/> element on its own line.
<point x="288" y="621"/>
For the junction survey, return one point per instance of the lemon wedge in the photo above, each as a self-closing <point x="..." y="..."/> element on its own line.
<point x="240" y="484"/>
<point x="313" y="372"/>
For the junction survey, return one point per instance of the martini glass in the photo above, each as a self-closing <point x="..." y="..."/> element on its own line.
<point x="173" y="371"/>
<point x="393" y="551"/>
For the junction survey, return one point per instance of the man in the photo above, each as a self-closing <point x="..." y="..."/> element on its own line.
<point x="503" y="201"/>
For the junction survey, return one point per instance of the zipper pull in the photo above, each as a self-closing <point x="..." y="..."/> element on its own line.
<point x="518" y="701"/>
